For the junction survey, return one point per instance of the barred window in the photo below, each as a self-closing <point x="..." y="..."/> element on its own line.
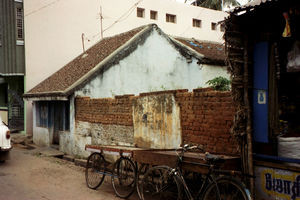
<point x="19" y="24"/>
<point x="140" y="12"/>
<point x="153" y="14"/>
<point x="213" y="26"/>
<point x="42" y="114"/>
<point x="197" y="23"/>
<point x="170" y="18"/>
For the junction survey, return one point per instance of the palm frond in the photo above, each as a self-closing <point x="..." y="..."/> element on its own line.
<point x="216" y="4"/>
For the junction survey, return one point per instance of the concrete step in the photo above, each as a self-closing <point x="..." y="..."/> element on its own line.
<point x="49" y="152"/>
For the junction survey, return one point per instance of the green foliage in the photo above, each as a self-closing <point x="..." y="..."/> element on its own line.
<point x="216" y="4"/>
<point x="219" y="83"/>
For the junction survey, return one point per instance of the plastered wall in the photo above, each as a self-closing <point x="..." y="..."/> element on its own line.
<point x="164" y="119"/>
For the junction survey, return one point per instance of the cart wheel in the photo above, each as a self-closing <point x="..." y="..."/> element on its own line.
<point x="95" y="170"/>
<point x="124" y="177"/>
<point x="143" y="168"/>
<point x="160" y="184"/>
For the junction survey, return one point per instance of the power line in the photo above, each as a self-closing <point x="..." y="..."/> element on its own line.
<point x="121" y="18"/>
<point x="131" y="9"/>
<point x="41" y="8"/>
<point x="190" y="26"/>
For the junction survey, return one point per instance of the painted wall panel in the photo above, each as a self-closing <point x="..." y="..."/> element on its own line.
<point x="276" y="184"/>
<point x="260" y="66"/>
<point x="156" y="122"/>
<point x="260" y="92"/>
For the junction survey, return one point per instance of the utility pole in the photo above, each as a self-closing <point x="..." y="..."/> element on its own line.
<point x="222" y="5"/>
<point x="82" y="40"/>
<point x="101" y="17"/>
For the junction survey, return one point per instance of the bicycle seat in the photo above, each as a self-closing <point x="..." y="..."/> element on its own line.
<point x="213" y="158"/>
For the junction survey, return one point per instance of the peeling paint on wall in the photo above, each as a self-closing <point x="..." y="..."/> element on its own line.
<point x="102" y="134"/>
<point x="156" y="122"/>
<point x="147" y="70"/>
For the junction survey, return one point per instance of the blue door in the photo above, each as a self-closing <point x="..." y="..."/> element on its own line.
<point x="260" y="92"/>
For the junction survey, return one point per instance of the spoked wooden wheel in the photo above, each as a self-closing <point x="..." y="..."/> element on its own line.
<point x="159" y="183"/>
<point x="124" y="177"/>
<point x="95" y="170"/>
<point x="142" y="170"/>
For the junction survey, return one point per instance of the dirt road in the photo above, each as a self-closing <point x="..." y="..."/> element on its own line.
<point x="29" y="176"/>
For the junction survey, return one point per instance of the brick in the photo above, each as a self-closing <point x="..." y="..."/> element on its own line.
<point x="205" y="115"/>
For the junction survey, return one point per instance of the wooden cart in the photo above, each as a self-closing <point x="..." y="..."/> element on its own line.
<point x="191" y="161"/>
<point x="132" y="162"/>
<point x="123" y="171"/>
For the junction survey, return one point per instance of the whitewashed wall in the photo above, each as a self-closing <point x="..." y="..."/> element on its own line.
<point x="153" y="66"/>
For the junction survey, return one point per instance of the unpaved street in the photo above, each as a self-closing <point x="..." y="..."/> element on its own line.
<point x="29" y="176"/>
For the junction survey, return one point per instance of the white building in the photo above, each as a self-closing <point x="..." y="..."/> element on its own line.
<point x="133" y="62"/>
<point x="54" y="29"/>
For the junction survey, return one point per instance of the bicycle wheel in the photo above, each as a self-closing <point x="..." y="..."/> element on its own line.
<point x="94" y="171"/>
<point x="159" y="183"/>
<point x="124" y="177"/>
<point x="229" y="189"/>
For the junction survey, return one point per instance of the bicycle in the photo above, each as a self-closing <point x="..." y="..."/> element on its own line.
<point x="163" y="182"/>
<point x="123" y="174"/>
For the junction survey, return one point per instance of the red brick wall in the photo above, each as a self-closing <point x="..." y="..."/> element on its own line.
<point x="116" y="111"/>
<point x="206" y="118"/>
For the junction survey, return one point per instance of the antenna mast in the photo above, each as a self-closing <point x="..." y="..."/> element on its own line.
<point x="82" y="40"/>
<point x="101" y="17"/>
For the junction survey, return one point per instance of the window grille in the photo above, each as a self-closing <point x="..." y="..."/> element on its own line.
<point x="140" y="12"/>
<point x="213" y="26"/>
<point x="153" y="14"/>
<point x="19" y="24"/>
<point x="170" y="18"/>
<point x="197" y="23"/>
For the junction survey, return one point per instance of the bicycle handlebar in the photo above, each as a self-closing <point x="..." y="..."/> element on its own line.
<point x="208" y="157"/>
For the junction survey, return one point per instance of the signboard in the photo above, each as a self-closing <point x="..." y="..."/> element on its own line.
<point x="277" y="184"/>
<point x="261" y="97"/>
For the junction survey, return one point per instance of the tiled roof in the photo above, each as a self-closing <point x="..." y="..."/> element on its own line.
<point x="210" y="50"/>
<point x="77" y="68"/>
<point x="76" y="73"/>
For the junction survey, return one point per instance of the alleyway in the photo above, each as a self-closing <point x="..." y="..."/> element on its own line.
<point x="29" y="176"/>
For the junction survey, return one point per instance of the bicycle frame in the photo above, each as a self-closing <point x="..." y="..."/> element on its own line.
<point x="208" y="176"/>
<point x="208" y="179"/>
<point x="177" y="172"/>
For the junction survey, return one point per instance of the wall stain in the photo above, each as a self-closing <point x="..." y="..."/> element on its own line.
<point x="156" y="122"/>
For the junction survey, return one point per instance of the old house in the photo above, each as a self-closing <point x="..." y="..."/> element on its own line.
<point x="61" y="37"/>
<point x="91" y="99"/>
<point x="262" y="40"/>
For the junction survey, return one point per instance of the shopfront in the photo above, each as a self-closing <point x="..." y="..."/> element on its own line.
<point x="263" y="49"/>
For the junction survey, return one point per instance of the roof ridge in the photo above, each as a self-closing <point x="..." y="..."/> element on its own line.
<point x="77" y="61"/>
<point x="194" y="39"/>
